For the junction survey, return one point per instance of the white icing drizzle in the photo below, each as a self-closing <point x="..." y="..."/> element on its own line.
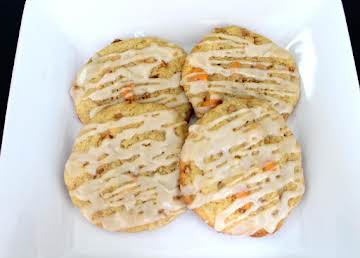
<point x="132" y="68"/>
<point x="137" y="198"/>
<point x="243" y="168"/>
<point x="242" y="48"/>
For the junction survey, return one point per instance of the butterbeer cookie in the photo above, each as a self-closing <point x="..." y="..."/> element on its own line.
<point x="144" y="70"/>
<point x="240" y="168"/>
<point x="235" y="62"/>
<point x="123" y="171"/>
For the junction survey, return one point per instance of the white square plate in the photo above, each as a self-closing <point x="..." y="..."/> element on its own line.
<point x="57" y="37"/>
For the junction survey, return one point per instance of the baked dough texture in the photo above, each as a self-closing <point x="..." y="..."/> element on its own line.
<point x="235" y="62"/>
<point x="123" y="170"/>
<point x="143" y="70"/>
<point x="240" y="168"/>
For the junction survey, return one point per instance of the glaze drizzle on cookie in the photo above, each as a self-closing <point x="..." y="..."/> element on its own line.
<point x="144" y="75"/>
<point x="249" y="157"/>
<point x="225" y="64"/>
<point x="131" y="172"/>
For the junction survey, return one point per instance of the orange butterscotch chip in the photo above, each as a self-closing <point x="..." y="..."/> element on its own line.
<point x="197" y="70"/>
<point x="242" y="194"/>
<point x="199" y="77"/>
<point x="128" y="92"/>
<point x="270" y="166"/>
<point x="234" y="65"/>
<point x="211" y="103"/>
<point x="246" y="206"/>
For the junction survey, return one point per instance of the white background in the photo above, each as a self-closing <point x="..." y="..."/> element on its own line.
<point x="57" y="37"/>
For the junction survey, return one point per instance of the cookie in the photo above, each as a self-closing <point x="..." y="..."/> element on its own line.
<point x="123" y="170"/>
<point x="240" y="168"/>
<point x="235" y="62"/>
<point x="143" y="70"/>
